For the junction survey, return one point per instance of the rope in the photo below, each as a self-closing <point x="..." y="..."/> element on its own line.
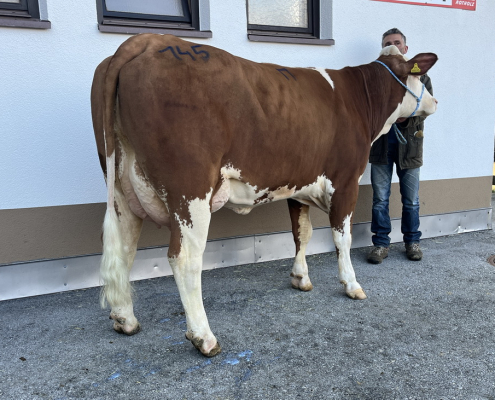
<point x="418" y="99"/>
<point x="399" y="135"/>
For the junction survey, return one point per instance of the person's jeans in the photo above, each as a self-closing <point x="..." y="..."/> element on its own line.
<point x="381" y="178"/>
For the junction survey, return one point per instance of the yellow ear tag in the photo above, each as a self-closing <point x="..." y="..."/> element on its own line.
<point x="415" y="68"/>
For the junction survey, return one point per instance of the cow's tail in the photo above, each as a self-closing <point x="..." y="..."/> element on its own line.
<point x="114" y="270"/>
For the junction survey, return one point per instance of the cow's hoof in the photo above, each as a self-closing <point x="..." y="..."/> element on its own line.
<point x="208" y="349"/>
<point x="301" y="283"/>
<point x="357" y="294"/>
<point x="121" y="325"/>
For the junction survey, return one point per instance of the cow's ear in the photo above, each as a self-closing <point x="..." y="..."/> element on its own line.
<point x="420" y="64"/>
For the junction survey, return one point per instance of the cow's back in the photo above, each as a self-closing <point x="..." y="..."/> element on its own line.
<point x="199" y="107"/>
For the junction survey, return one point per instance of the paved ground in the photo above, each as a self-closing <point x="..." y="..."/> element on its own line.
<point x="426" y="331"/>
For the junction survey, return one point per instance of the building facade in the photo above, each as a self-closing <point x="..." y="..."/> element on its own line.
<point x="52" y="188"/>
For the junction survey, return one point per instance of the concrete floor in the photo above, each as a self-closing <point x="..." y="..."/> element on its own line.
<point x="426" y="331"/>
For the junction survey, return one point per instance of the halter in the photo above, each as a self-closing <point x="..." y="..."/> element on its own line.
<point x="399" y="135"/>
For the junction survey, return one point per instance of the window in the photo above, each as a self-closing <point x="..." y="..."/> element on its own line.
<point x="293" y="21"/>
<point x="22" y="14"/>
<point x="179" y="17"/>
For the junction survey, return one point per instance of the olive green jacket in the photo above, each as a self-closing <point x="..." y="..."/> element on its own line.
<point x="411" y="153"/>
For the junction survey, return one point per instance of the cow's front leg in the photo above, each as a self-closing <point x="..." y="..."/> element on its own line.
<point x="302" y="231"/>
<point x="342" y="240"/>
<point x="187" y="245"/>
<point x="341" y="222"/>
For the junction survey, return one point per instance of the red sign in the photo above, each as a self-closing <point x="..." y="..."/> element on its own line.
<point x="460" y="4"/>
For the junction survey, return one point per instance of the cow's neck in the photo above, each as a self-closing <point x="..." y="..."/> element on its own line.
<point x="383" y="95"/>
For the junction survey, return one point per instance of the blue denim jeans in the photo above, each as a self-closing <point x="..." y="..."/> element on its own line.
<point x="381" y="178"/>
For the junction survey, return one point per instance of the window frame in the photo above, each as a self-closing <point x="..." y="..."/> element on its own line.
<point x="18" y="10"/>
<point x="26" y="14"/>
<point x="292" y="31"/>
<point x="153" y="17"/>
<point x="131" y="23"/>
<point x="284" y="34"/>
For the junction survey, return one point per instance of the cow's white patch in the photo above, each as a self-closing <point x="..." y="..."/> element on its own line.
<point x="242" y="197"/>
<point x="236" y="195"/>
<point x="428" y="103"/>
<point x="281" y="193"/>
<point x="392" y="50"/>
<point x="317" y="194"/>
<point x="244" y="194"/>
<point x="229" y="172"/>
<point x="199" y="211"/>
<point x="110" y="177"/>
<point x="325" y="75"/>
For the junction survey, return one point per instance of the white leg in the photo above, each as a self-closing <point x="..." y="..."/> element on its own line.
<point x="117" y="290"/>
<point x="342" y="239"/>
<point x="187" y="266"/>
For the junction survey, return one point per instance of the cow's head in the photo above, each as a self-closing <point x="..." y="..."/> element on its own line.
<point x="409" y="72"/>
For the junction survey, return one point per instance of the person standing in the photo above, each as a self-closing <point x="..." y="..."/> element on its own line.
<point x="407" y="156"/>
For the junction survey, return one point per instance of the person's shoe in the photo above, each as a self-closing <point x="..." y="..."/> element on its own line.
<point x="413" y="251"/>
<point x="377" y="255"/>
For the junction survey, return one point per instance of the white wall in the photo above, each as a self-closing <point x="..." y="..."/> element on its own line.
<point x="47" y="151"/>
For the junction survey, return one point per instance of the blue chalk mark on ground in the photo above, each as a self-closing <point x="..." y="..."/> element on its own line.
<point x="176" y="343"/>
<point x="230" y="361"/>
<point x="196" y="367"/>
<point x="234" y="361"/>
<point x="167" y="337"/>
<point x="164" y="320"/>
<point x="114" y="376"/>
<point x="95" y="385"/>
<point x="183" y="322"/>
<point x="247" y="354"/>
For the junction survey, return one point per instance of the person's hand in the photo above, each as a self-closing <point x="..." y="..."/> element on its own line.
<point x="399" y="120"/>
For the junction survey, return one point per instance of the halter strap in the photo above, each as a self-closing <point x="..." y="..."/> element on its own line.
<point x="398" y="133"/>
<point x="418" y="99"/>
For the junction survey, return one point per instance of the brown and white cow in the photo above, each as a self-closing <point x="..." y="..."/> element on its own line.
<point x="184" y="129"/>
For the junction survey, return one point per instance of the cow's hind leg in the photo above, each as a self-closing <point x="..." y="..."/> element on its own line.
<point x="187" y="244"/>
<point x="302" y="231"/>
<point x="115" y="273"/>
<point x="341" y="223"/>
